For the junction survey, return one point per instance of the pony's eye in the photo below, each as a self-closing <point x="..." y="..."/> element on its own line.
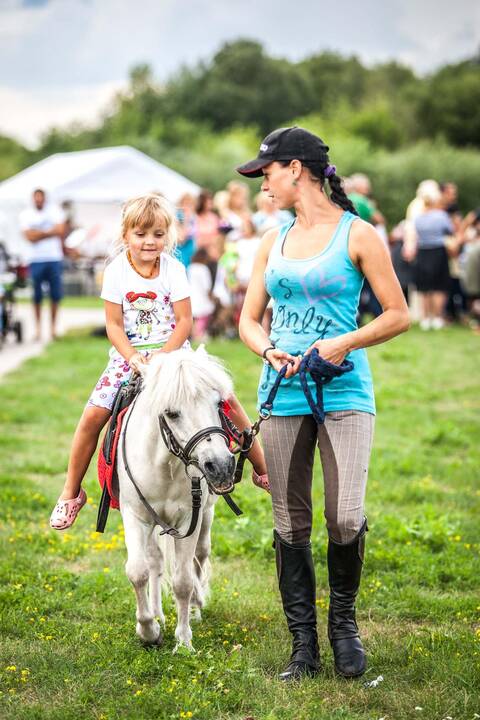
<point x="172" y="414"/>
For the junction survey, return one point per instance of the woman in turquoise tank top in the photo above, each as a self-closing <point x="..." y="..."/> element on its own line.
<point x="313" y="268"/>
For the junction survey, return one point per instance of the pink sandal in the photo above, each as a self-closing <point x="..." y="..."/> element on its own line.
<point x="65" y="511"/>
<point x="261" y="481"/>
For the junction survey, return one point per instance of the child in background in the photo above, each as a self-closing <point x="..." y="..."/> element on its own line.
<point x="187" y="219"/>
<point x="203" y="305"/>
<point x="246" y="249"/>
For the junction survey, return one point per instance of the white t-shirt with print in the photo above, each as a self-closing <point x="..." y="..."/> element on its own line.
<point x="148" y="316"/>
<point x="50" y="249"/>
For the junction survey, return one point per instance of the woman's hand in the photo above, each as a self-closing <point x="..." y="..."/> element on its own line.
<point x="333" y="349"/>
<point x="137" y="362"/>
<point x="278" y="358"/>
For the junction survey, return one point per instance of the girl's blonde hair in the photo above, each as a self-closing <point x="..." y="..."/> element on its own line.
<point x="143" y="212"/>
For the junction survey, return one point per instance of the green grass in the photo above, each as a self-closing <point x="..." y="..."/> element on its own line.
<point x="68" y="645"/>
<point x="75" y="301"/>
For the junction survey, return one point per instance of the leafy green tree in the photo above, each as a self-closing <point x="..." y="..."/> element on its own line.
<point x="384" y="120"/>
<point x="450" y="104"/>
<point x="333" y="78"/>
<point x="13" y="157"/>
<point x="378" y="124"/>
<point x="241" y="86"/>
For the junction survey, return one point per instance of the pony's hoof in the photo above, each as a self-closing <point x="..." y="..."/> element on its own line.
<point x="153" y="643"/>
<point x="195" y="614"/>
<point x="183" y="649"/>
<point x="150" y="636"/>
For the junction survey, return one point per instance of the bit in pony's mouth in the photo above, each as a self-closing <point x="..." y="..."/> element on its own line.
<point x="222" y="489"/>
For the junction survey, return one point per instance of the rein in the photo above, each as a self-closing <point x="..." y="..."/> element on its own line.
<point x="322" y="372"/>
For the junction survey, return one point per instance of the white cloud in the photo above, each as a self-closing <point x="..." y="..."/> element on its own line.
<point x="442" y="32"/>
<point x="58" y="58"/>
<point x="28" y="115"/>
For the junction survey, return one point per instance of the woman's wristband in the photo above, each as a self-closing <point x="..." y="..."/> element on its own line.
<point x="264" y="353"/>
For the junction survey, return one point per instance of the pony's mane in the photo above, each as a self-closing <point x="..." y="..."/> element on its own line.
<point x="176" y="379"/>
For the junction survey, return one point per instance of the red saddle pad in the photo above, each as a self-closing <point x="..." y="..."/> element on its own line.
<point x="106" y="472"/>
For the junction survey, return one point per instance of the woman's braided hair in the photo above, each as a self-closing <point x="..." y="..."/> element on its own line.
<point x="317" y="169"/>
<point x="337" y="193"/>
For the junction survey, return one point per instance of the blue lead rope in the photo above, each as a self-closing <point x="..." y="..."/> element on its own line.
<point x="322" y="373"/>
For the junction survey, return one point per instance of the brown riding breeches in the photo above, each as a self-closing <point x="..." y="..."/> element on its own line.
<point x="345" y="442"/>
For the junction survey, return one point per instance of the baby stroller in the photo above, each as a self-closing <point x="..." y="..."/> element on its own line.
<point x="11" y="277"/>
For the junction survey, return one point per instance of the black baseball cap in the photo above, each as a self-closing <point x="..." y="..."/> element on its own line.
<point x="291" y="143"/>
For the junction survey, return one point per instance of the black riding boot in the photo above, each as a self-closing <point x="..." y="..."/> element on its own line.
<point x="344" y="573"/>
<point x="296" y="580"/>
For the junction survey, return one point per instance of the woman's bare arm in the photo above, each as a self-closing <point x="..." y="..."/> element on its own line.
<point x="369" y="254"/>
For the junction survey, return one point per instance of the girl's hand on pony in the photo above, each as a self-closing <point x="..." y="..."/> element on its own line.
<point x="137" y="362"/>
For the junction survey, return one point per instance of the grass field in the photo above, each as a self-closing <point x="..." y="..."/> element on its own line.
<point x="75" y="301"/>
<point x="68" y="646"/>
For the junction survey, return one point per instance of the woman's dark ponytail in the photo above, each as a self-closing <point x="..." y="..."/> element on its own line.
<point x="321" y="170"/>
<point x="338" y="196"/>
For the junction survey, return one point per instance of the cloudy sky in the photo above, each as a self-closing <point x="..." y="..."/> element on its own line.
<point x="61" y="60"/>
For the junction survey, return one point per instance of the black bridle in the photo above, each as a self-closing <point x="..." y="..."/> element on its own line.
<point x="185" y="455"/>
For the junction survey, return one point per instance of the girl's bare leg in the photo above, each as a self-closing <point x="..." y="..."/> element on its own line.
<point x="84" y="445"/>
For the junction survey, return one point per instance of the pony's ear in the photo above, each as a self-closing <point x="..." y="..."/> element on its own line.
<point x="201" y="350"/>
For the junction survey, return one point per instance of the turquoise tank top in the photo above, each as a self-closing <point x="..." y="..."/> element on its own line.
<point x="314" y="299"/>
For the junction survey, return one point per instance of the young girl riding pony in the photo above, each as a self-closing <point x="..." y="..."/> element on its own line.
<point x="148" y="310"/>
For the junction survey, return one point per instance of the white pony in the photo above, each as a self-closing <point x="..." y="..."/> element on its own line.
<point x="184" y="388"/>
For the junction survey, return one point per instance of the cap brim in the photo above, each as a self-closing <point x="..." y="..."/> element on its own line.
<point x="253" y="169"/>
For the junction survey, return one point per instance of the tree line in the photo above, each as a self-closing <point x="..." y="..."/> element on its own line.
<point x="209" y="115"/>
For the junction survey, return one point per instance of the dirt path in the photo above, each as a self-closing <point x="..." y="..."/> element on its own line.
<point x="13" y="354"/>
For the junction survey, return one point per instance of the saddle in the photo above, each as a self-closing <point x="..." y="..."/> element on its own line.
<point x="107" y="457"/>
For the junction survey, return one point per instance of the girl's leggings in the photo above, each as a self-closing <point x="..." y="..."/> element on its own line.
<point x="345" y="442"/>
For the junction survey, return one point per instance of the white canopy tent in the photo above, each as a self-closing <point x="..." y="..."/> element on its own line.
<point x="96" y="182"/>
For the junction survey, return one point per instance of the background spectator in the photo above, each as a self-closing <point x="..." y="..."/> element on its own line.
<point x="360" y="196"/>
<point x="207" y="223"/>
<point x="238" y="209"/>
<point x="403" y="268"/>
<point x="456" y="305"/>
<point x="201" y="285"/>
<point x="188" y="228"/>
<point x="470" y="264"/>
<point x="432" y="277"/>
<point x="43" y="226"/>
<point x="267" y="215"/>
